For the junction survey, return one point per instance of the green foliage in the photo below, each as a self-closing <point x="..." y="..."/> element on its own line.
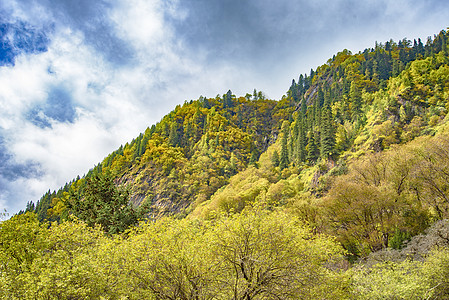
<point x="398" y="240"/>
<point x="327" y="132"/>
<point x="312" y="149"/>
<point x="275" y="159"/>
<point x="406" y="279"/>
<point x="244" y="256"/>
<point x="357" y="149"/>
<point x="391" y="281"/>
<point x="371" y="100"/>
<point x="284" y="160"/>
<point x="103" y="204"/>
<point x="22" y="239"/>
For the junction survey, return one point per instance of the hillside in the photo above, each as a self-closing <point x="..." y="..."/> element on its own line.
<point x="353" y="105"/>
<point x="353" y="160"/>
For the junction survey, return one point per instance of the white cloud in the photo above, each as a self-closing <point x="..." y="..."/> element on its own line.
<point x="113" y="103"/>
<point x="140" y="22"/>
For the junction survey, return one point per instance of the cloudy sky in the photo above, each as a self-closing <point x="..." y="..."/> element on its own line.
<point x="79" y="78"/>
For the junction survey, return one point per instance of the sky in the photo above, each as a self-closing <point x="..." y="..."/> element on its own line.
<point x="80" y="78"/>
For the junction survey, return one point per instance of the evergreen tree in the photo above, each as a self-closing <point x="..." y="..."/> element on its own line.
<point x="30" y="206"/>
<point x="283" y="159"/>
<point x="275" y="158"/>
<point x="301" y="138"/>
<point x="395" y="68"/>
<point x="206" y="103"/>
<point x="227" y="99"/>
<point x="303" y="107"/>
<point x="173" y="138"/>
<point x="43" y="205"/>
<point x="320" y="97"/>
<point x="103" y="204"/>
<point x="293" y="90"/>
<point x="300" y="143"/>
<point x="420" y="48"/>
<point x="255" y="95"/>
<point x="293" y="139"/>
<point x="316" y="114"/>
<point x="137" y="146"/>
<point x="312" y="149"/>
<point x="327" y="132"/>
<point x="356" y="100"/>
<point x="254" y="157"/>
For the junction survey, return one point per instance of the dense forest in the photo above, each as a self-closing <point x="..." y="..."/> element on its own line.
<point x="338" y="190"/>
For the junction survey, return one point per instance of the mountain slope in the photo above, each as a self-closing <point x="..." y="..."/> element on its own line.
<point x="222" y="154"/>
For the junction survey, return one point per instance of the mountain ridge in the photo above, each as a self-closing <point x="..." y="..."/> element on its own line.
<point x="224" y="153"/>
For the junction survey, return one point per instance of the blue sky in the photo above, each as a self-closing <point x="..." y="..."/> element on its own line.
<point x="79" y="78"/>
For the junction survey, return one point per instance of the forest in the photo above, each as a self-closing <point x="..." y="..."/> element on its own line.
<point x="338" y="190"/>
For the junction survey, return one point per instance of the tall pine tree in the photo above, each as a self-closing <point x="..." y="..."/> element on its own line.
<point x="312" y="148"/>
<point x="356" y="101"/>
<point x="327" y="136"/>
<point x="284" y="160"/>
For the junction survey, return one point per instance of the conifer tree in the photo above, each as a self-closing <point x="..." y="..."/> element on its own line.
<point x="173" y="138"/>
<point x="284" y="160"/>
<point x="275" y="158"/>
<point x="327" y="131"/>
<point x="103" y="204"/>
<point x="300" y="139"/>
<point x="356" y="100"/>
<point x="303" y="107"/>
<point x="316" y="114"/>
<point x="255" y="97"/>
<point x="254" y="157"/>
<point x="227" y="99"/>
<point x="320" y="97"/>
<point x="137" y="147"/>
<point x="395" y="68"/>
<point x="312" y="149"/>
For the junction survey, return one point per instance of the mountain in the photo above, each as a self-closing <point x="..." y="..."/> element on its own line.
<point x="224" y="153"/>
<point x="338" y="190"/>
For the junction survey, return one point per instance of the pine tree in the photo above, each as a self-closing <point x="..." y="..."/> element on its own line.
<point x="30" y="206"/>
<point x="356" y="100"/>
<point x="327" y="136"/>
<point x="284" y="160"/>
<point x="103" y="204"/>
<point x="420" y="49"/>
<point x="255" y="97"/>
<point x="254" y="158"/>
<point x="300" y="138"/>
<point x="173" y="138"/>
<point x="227" y="99"/>
<point x="294" y="138"/>
<point x="301" y="144"/>
<point x="320" y="97"/>
<point x="303" y="107"/>
<point x="316" y="114"/>
<point x="312" y="149"/>
<point x="275" y="158"/>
